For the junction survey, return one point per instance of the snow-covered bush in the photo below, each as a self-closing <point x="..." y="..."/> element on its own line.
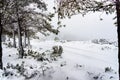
<point x="108" y="69"/>
<point x="63" y="41"/>
<point x="35" y="37"/>
<point x="79" y="66"/>
<point x="63" y="64"/>
<point x="104" y="41"/>
<point x="7" y="73"/>
<point x="96" y="76"/>
<point x="105" y="48"/>
<point x="27" y="72"/>
<point x="95" y="41"/>
<point x="8" y="44"/>
<point x="43" y="56"/>
<point x="100" y="41"/>
<point x="56" y="39"/>
<point x="4" y="43"/>
<point x="31" y="53"/>
<point x="14" y="70"/>
<point x="57" y="50"/>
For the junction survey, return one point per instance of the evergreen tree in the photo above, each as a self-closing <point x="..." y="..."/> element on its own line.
<point x="21" y="18"/>
<point x="18" y="9"/>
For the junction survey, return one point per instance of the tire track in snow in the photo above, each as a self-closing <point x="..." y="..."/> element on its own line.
<point x="86" y="56"/>
<point x="80" y="49"/>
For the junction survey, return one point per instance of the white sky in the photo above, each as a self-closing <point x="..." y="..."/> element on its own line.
<point x="88" y="27"/>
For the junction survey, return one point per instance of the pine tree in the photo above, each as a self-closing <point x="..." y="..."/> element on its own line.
<point x="18" y="10"/>
<point x="19" y="17"/>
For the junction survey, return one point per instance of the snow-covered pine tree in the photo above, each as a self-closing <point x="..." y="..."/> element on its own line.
<point x="18" y="17"/>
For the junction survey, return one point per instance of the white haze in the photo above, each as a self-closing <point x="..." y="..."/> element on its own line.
<point x="85" y="28"/>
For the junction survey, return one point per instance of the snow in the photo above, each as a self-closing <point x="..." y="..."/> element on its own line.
<point x="80" y="60"/>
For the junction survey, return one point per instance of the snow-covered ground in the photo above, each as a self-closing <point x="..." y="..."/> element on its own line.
<point x="80" y="60"/>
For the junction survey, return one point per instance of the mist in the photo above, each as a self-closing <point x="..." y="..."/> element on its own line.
<point x="85" y="28"/>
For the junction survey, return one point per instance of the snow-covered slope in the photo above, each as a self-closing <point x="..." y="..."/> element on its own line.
<point x="80" y="60"/>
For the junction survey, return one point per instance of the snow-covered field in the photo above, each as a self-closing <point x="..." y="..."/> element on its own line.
<point x="80" y="60"/>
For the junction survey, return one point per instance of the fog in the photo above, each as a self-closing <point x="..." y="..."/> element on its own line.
<point x="87" y="27"/>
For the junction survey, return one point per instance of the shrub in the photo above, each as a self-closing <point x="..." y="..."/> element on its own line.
<point x="108" y="69"/>
<point x="57" y="51"/>
<point x="7" y="73"/>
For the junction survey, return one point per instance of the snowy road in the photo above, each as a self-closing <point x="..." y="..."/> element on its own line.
<point x="92" y="56"/>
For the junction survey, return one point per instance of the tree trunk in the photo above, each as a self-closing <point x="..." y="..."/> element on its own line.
<point x="8" y="38"/>
<point x="21" y="51"/>
<point x="118" y="27"/>
<point x="1" y="64"/>
<point x="25" y="37"/>
<point x="14" y="40"/>
<point x="28" y="37"/>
